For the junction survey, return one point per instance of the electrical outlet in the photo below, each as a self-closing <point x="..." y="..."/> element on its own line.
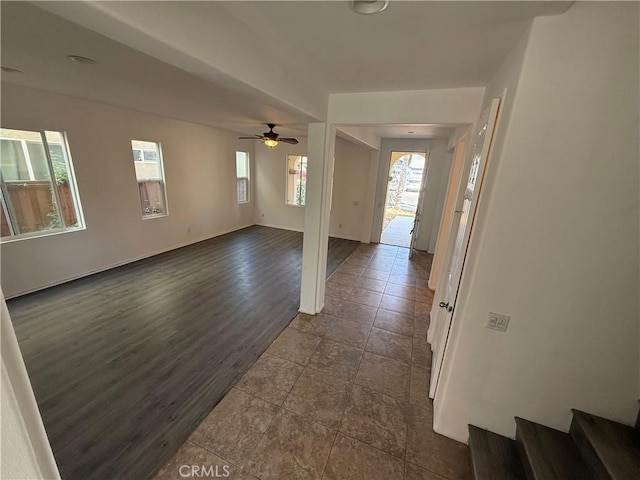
<point x="498" y="321"/>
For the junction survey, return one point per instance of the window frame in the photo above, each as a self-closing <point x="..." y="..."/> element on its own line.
<point x="246" y="180"/>
<point x="142" y="150"/>
<point x="5" y="203"/>
<point x="305" y="160"/>
<point x="162" y="180"/>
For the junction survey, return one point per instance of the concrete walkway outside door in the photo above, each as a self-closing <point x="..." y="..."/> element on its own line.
<point x="398" y="232"/>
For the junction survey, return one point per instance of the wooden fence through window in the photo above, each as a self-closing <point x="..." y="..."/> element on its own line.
<point x="34" y="206"/>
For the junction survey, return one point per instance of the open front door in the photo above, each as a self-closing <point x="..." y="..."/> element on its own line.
<point x="415" y="231"/>
<point x="445" y="299"/>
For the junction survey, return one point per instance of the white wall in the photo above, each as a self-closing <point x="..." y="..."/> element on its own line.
<point x="360" y="135"/>
<point x="447" y="105"/>
<point x="350" y="195"/>
<point x="199" y="165"/>
<point x="435" y="187"/>
<point x="556" y="243"/>
<point x="271" y="182"/>
<point x="25" y="452"/>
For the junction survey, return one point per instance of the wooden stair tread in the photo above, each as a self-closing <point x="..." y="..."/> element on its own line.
<point x="494" y="457"/>
<point x="550" y="454"/>
<point x="616" y="446"/>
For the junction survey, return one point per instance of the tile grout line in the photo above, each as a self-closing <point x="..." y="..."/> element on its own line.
<point x="326" y="462"/>
<point x="406" y="442"/>
<point x="350" y="394"/>
<point x="379" y="393"/>
<point x="213" y="453"/>
<point x="373" y="446"/>
<point x="394" y="333"/>
<point x="430" y="471"/>
<point x="411" y="365"/>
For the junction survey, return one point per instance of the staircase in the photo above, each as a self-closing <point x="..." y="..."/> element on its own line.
<point x="594" y="449"/>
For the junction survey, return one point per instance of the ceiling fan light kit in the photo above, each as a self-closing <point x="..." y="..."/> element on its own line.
<point x="271" y="138"/>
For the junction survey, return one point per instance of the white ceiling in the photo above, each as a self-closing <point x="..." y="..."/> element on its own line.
<point x="412" y="45"/>
<point x="38" y="42"/>
<point x="413" y="131"/>
<point x="372" y="135"/>
<point x="238" y="65"/>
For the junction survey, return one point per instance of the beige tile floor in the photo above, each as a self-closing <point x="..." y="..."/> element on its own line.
<point x="340" y="395"/>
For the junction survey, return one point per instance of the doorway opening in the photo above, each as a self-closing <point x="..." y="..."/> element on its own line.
<point x="406" y="170"/>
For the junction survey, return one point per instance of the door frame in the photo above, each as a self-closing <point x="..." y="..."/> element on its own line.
<point x="387" y="146"/>
<point x="441" y="320"/>
<point x="386" y="162"/>
<point x="446" y="221"/>
<point x="415" y="232"/>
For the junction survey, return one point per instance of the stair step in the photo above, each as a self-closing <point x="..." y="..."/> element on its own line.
<point x="494" y="457"/>
<point x="611" y="449"/>
<point x="549" y="454"/>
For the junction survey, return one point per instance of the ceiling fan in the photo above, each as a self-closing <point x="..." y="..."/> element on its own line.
<point x="270" y="138"/>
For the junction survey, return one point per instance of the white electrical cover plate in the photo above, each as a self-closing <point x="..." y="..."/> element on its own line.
<point x="498" y="321"/>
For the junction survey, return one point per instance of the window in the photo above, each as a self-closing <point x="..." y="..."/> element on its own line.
<point x="242" y="177"/>
<point x="296" y="179"/>
<point x="147" y="160"/>
<point x="38" y="193"/>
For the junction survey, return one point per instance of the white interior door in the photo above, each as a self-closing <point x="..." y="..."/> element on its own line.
<point x="445" y="298"/>
<point x="455" y="179"/>
<point x="415" y="232"/>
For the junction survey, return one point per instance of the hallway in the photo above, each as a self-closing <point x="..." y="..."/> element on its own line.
<point x="340" y="395"/>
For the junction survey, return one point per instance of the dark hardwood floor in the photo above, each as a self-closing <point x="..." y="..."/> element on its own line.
<point x="126" y="363"/>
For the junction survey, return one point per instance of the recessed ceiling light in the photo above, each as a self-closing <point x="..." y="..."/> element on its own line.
<point x="81" y="59"/>
<point x="368" y="7"/>
<point x="10" y="70"/>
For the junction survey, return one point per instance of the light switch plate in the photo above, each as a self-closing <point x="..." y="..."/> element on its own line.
<point x="498" y="321"/>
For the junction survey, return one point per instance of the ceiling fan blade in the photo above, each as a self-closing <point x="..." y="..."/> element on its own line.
<point x="292" y="141"/>
<point x="255" y="137"/>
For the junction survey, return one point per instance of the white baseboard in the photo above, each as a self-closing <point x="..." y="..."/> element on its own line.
<point x="127" y="261"/>
<point x="280" y="227"/>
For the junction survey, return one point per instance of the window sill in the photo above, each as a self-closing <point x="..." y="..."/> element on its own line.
<point x="48" y="233"/>
<point x="155" y="215"/>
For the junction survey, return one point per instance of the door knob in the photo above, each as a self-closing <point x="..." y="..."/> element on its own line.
<point x="448" y="307"/>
